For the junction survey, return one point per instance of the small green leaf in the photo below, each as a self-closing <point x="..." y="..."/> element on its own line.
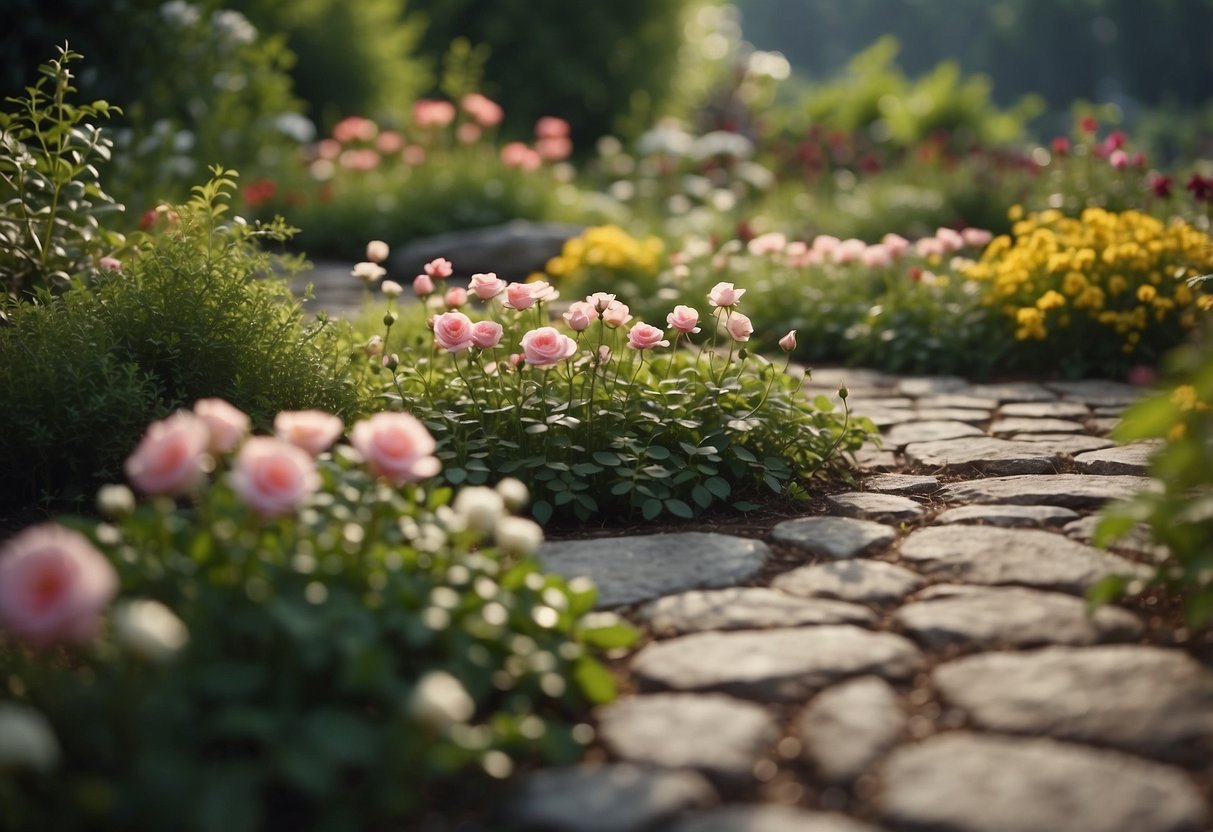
<point x="621" y="488"/>
<point x="742" y="454"/>
<point x="658" y="452"/>
<point x="746" y="506"/>
<point x="701" y="496"/>
<point x="455" y="475"/>
<point x="719" y="486"/>
<point x="609" y="637"/>
<point x="564" y="498"/>
<point x="594" y="680"/>
<point x="679" y="509"/>
<point x="586" y="469"/>
<point x="541" y="511"/>
<point x="606" y="458"/>
<point x="650" y="509"/>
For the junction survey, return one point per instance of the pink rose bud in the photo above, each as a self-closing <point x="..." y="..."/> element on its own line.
<point x="376" y="251"/>
<point x="644" y="336"/>
<point x="546" y="347"/>
<point x="453" y="331"/>
<point x="374" y="346"/>
<point x="616" y="314"/>
<point x="227" y="424"/>
<point x="739" y="327"/>
<point x="684" y="319"/>
<point x="390" y="362"/>
<point x="455" y="297"/>
<point x="976" y="237"/>
<point x="439" y="268"/>
<point x="486" y="334"/>
<point x="111" y="264"/>
<point x="397" y="447"/>
<point x="1118" y="159"/>
<point x="518" y="296"/>
<point x="604" y="354"/>
<point x="54" y="585"/>
<point x="391" y="288"/>
<point x="171" y="458"/>
<point x="486" y="286"/>
<point x="272" y="476"/>
<point x="580" y="315"/>
<point x="423" y="286"/>
<point x="368" y="272"/>
<point x="788" y="342"/>
<point x="600" y="300"/>
<point x="723" y="295"/>
<point x="312" y="430"/>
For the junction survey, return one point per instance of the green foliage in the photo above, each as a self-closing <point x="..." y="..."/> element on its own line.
<point x="360" y="665"/>
<point x="1179" y="514"/>
<point x="193" y="313"/>
<point x="51" y="201"/>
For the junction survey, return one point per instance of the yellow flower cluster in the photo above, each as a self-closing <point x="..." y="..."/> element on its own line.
<point x="607" y="247"/>
<point x="1123" y="272"/>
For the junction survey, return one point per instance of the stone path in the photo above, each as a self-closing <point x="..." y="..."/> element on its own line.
<point x="927" y="661"/>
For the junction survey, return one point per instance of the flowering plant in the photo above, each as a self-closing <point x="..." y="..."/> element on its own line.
<point x="603" y="413"/>
<point x="285" y="634"/>
<point x="607" y="256"/>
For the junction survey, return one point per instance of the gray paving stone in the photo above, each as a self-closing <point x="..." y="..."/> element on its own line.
<point x="774" y="665"/>
<point x="962" y="782"/>
<point x="1028" y="557"/>
<point x="1045" y="410"/>
<point x="871" y="458"/>
<point x="930" y="385"/>
<point x="1116" y="411"/>
<point x="1069" y="490"/>
<point x="834" y="537"/>
<point x="745" y="608"/>
<point x="901" y="435"/>
<point x="610" y="798"/>
<point x="959" y="400"/>
<point x="1010" y="616"/>
<point x="952" y="414"/>
<point x="1065" y="443"/>
<point x="718" y="735"/>
<point x="901" y="484"/>
<point x="1103" y="424"/>
<point x="860" y="581"/>
<point x="1024" y="391"/>
<point x="1147" y="700"/>
<point x="631" y="569"/>
<point x="869" y="506"/>
<point x="1123" y="459"/>
<point x="1007" y="516"/>
<point x="848" y="726"/>
<point x="1013" y="425"/>
<point x="1098" y="393"/>
<point x="888" y="418"/>
<point x="985" y="454"/>
<point x="859" y="382"/>
<point x="880" y="403"/>
<point x="1139" y="538"/>
<point x="767" y="818"/>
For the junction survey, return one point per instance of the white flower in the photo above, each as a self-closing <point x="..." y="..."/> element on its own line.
<point x="368" y="272"/>
<point x="439" y="700"/>
<point x="391" y="288"/>
<point x="26" y="739"/>
<point x="180" y="13"/>
<point x="376" y="251"/>
<point x="480" y="507"/>
<point x="234" y="27"/>
<point x="149" y="629"/>
<point x="514" y="492"/>
<point x="517" y="535"/>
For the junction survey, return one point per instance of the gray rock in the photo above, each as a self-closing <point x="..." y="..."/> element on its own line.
<point x="631" y="569"/>
<point x="1098" y="393"/>
<point x="872" y="458"/>
<point x="611" y="798"/>
<point x="985" y="454"/>
<point x="882" y="418"/>
<point x="962" y="782"/>
<point x="862" y="581"/>
<point x="952" y="414"/>
<point x="990" y="617"/>
<point x="1029" y="557"/>
<point x="1014" y="425"/>
<point x="847" y="727"/>
<point x="512" y="250"/>
<point x="1104" y="425"/>
<point x="859" y="405"/>
<point x="834" y="537"/>
<point x="1007" y="516"/>
<point x="773" y="665"/>
<point x="1143" y="699"/>
<point x="766" y="818"/>
<point x="1065" y="443"/>
<point x="868" y="506"/>
<point x="1139" y="539"/>
<point x="861" y="383"/>
<point x="745" y="608"/>
<point x="1126" y="459"/>
<point x="718" y="735"/>
<point x="1045" y="410"/>
<point x="901" y="435"/>
<point x="930" y="385"/>
<point x="958" y="400"/>
<point x="901" y="484"/>
<point x="1069" y="490"/>
<point x="1025" y="391"/>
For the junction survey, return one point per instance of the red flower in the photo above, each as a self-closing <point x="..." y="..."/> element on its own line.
<point x="1115" y="140"/>
<point x="1088" y="124"/>
<point x="1201" y="188"/>
<point x="1061" y="146"/>
<point x="259" y="192"/>
<point x="1160" y="184"/>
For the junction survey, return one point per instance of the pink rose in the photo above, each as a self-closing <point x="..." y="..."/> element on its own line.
<point x="616" y="314"/>
<point x="429" y="112"/>
<point x="546" y="347"/>
<point x="542" y="291"/>
<point x="518" y="296"/>
<point x="111" y="264"/>
<point x="764" y="244"/>
<point x="724" y="295"/>
<point x="455" y="297"/>
<point x="273" y="476"/>
<point x="171" y="457"/>
<point x="227" y="424"/>
<point x="739" y="327"/>
<point x="550" y="127"/>
<point x="976" y="237"/>
<point x="684" y="319"/>
<point x="876" y="257"/>
<point x="53" y="585"/>
<point x="518" y="155"/>
<point x="930" y="247"/>
<point x="788" y="342"/>
<point x="950" y="239"/>
<point x="486" y="112"/>
<point x="413" y="155"/>
<point x="313" y="430"/>
<point x="439" y="268"/>
<point x="453" y="331"/>
<point x="389" y="142"/>
<point x="600" y="300"/>
<point x="848" y="251"/>
<point x="644" y="336"/>
<point x="397" y="447"/>
<point x="486" y="334"/>
<point x="554" y="149"/>
<point x="376" y="251"/>
<point x="580" y="315"/>
<point x="825" y="243"/>
<point x="895" y="244"/>
<point x="423" y="285"/>
<point x="486" y="286"/>
<point x="468" y="133"/>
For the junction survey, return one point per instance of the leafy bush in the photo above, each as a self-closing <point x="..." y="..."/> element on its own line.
<point x="611" y="422"/>
<point x="51" y="201"/>
<point x="359" y="656"/>
<point x="191" y="313"/>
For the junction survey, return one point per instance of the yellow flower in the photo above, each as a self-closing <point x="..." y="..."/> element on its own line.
<point x="1050" y="300"/>
<point x="1184" y="397"/>
<point x="1146" y="293"/>
<point x="1015" y="213"/>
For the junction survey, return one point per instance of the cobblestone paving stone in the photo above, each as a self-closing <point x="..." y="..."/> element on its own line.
<point x="930" y="670"/>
